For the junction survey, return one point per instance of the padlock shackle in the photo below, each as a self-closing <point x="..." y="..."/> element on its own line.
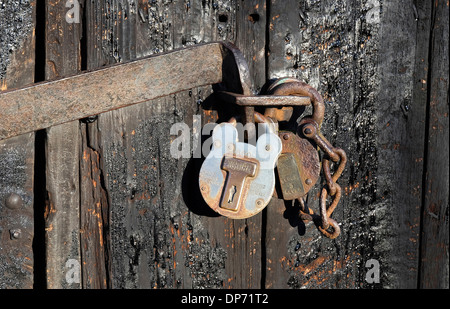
<point x="291" y="86"/>
<point x="257" y="118"/>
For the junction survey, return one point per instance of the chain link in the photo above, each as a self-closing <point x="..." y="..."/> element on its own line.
<point x="311" y="130"/>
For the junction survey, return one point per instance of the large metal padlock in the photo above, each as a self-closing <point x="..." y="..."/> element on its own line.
<point x="237" y="179"/>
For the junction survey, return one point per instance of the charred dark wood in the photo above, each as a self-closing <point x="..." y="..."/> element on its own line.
<point x="131" y="214"/>
<point x="17" y="155"/>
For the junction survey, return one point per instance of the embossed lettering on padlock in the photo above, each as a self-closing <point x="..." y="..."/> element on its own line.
<point x="237" y="179"/>
<point x="298" y="166"/>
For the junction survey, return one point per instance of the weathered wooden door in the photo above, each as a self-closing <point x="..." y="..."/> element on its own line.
<point x="101" y="203"/>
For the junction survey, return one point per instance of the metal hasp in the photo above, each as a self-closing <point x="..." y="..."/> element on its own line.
<point x="50" y="103"/>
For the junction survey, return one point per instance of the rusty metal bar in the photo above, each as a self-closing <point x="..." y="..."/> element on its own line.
<point x="265" y="100"/>
<point x="90" y="93"/>
<point x="299" y="88"/>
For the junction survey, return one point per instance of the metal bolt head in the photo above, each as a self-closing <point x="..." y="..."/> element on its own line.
<point x="217" y="144"/>
<point x="15" y="233"/>
<point x="13" y="201"/>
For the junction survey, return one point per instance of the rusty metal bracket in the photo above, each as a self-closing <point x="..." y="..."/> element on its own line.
<point x="50" y="103"/>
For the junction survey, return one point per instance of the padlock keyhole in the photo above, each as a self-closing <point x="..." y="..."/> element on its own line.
<point x="231" y="194"/>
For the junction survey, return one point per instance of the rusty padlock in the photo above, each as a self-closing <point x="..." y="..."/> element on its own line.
<point x="299" y="167"/>
<point x="237" y="179"/>
<point x="299" y="164"/>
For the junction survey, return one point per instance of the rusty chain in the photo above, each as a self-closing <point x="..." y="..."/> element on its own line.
<point x="311" y="131"/>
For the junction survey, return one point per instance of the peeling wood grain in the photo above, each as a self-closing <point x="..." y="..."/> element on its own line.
<point x="94" y="217"/>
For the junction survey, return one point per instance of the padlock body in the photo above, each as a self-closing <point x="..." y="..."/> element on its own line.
<point x="237" y="179"/>
<point x="298" y="166"/>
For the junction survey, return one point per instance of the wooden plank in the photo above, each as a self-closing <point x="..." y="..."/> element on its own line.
<point x="301" y="37"/>
<point x="17" y="24"/>
<point x="401" y="136"/>
<point x="62" y="224"/>
<point x="251" y="39"/>
<point x="243" y="265"/>
<point x="434" y="263"/>
<point x="161" y="232"/>
<point x="93" y="203"/>
<point x="352" y="54"/>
